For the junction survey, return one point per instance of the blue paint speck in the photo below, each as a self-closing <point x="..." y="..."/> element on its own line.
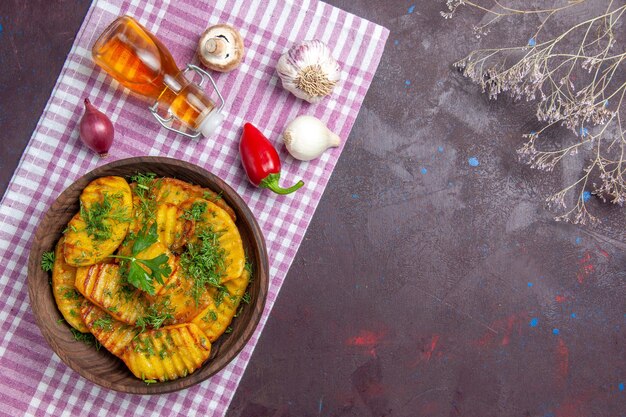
<point x="555" y="331"/>
<point x="534" y="322"/>
<point x="411" y="9"/>
<point x="440" y="149"/>
<point x="355" y="196"/>
<point x="473" y="161"/>
<point x="579" y="240"/>
<point x="321" y="404"/>
<point x="573" y="315"/>
<point x="532" y="42"/>
<point x="423" y="170"/>
<point x="407" y="83"/>
<point x="396" y="42"/>
<point x="1" y="28"/>
<point x="584" y="131"/>
<point x="530" y="284"/>
<point x="606" y="103"/>
<point x="586" y="196"/>
<point x="621" y="386"/>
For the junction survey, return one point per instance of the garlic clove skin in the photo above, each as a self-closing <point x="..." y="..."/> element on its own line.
<point x="309" y="71"/>
<point x="307" y="137"/>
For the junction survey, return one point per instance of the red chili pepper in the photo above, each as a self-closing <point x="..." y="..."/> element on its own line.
<point x="261" y="161"/>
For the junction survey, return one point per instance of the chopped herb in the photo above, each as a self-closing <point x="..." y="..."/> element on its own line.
<point x="210" y="316"/>
<point x="218" y="298"/>
<point x="68" y="228"/>
<point x="150" y="381"/>
<point x="248" y="267"/>
<point x="228" y="330"/>
<point x="147" y="202"/>
<point x="99" y="215"/>
<point x="144" y="345"/>
<point x="86" y="338"/>
<point x="163" y="353"/>
<point x="126" y="291"/>
<point x="59" y="321"/>
<point x="158" y="266"/>
<point x="71" y="294"/>
<point x="246" y="298"/>
<point x="47" y="261"/>
<point x="196" y="211"/>
<point x="156" y="315"/>
<point x="211" y="196"/>
<point x="143" y="182"/>
<point x="204" y="262"/>
<point x="104" y="323"/>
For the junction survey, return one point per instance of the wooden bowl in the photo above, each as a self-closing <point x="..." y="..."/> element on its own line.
<point x="101" y="367"/>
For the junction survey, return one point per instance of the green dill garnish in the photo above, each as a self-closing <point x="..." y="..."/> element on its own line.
<point x="248" y="267"/>
<point x="86" y="338"/>
<point x="246" y="298"/>
<point x="47" y="261"/>
<point x="149" y="381"/>
<point x="68" y="228"/>
<point x="98" y="216"/>
<point x="228" y="330"/>
<point x="163" y="353"/>
<point x="147" y="200"/>
<point x="195" y="212"/>
<point x="59" y="321"/>
<point x="104" y="323"/>
<point x="218" y="298"/>
<point x="144" y="345"/>
<point x="94" y="218"/>
<point x="211" y="196"/>
<point x="156" y="315"/>
<point x="204" y="262"/>
<point x="158" y="266"/>
<point x="71" y="294"/>
<point x="210" y="316"/>
<point x="125" y="291"/>
<point x="143" y="183"/>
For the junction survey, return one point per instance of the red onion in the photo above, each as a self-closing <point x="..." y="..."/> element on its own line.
<point x="96" y="130"/>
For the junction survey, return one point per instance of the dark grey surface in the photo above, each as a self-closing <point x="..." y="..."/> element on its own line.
<point x="414" y="292"/>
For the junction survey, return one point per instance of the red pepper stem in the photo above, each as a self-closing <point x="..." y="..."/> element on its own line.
<point x="271" y="182"/>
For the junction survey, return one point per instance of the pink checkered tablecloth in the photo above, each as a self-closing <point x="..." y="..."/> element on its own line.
<point x="34" y="380"/>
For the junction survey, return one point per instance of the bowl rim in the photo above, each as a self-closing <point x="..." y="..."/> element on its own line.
<point x="261" y="274"/>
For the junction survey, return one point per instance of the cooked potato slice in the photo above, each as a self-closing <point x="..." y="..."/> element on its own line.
<point x="187" y="300"/>
<point x="215" y="319"/>
<point x="103" y="285"/>
<point x="101" y="224"/>
<point x="173" y="229"/>
<point x="114" y="335"/>
<point x="173" y="191"/>
<point x="167" y="353"/>
<point x="213" y="218"/>
<point x="68" y="299"/>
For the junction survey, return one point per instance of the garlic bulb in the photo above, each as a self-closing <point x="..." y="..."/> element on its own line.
<point x="307" y="138"/>
<point x="309" y="71"/>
